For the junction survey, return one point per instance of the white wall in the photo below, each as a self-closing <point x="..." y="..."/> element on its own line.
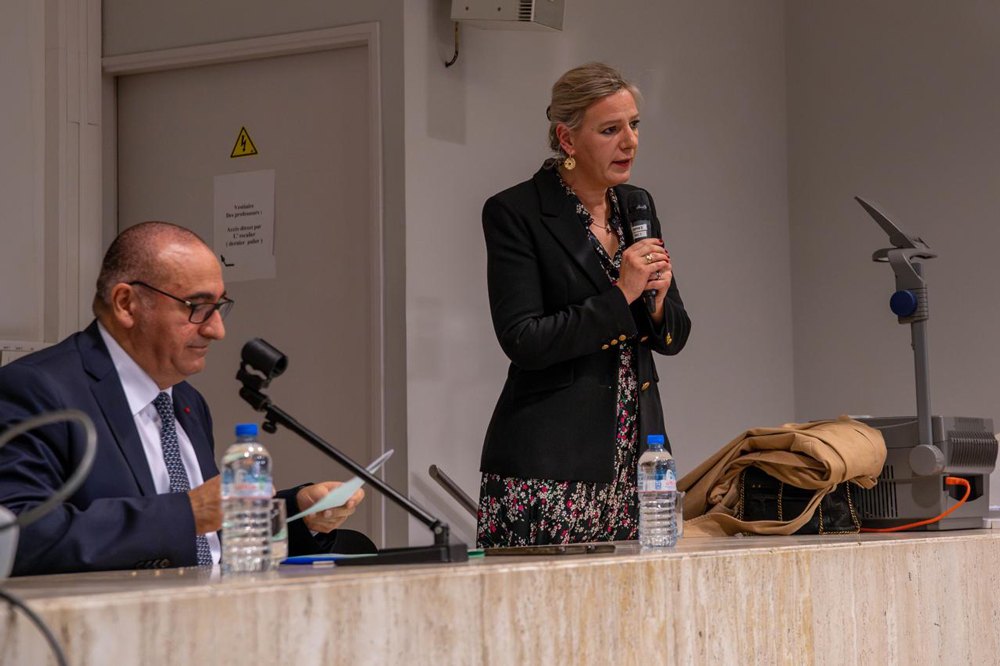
<point x="22" y="182"/>
<point x="713" y="155"/>
<point x="897" y="101"/>
<point x="50" y="174"/>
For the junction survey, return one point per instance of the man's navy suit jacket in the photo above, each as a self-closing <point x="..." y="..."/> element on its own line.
<point x="116" y="519"/>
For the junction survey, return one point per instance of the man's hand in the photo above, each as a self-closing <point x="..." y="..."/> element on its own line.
<point x="206" y="502"/>
<point x="328" y="519"/>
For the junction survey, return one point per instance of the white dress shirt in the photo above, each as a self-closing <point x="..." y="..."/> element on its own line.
<point x="140" y="391"/>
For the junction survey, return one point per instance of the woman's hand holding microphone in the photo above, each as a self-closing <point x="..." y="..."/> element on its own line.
<point x="646" y="265"/>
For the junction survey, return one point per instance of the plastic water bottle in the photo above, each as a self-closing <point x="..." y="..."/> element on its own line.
<point x="246" y="504"/>
<point x="657" y="484"/>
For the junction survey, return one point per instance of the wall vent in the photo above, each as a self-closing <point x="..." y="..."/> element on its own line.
<point x="525" y="10"/>
<point x="510" y="14"/>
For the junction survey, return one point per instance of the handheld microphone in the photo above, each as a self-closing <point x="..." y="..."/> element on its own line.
<point x="639" y="215"/>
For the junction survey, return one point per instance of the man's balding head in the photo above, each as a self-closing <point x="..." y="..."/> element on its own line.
<point x="135" y="255"/>
<point x="153" y="277"/>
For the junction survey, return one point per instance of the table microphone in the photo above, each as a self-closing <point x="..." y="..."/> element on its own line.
<point x="639" y="215"/>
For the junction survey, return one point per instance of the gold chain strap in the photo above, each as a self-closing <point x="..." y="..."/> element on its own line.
<point x="850" y="505"/>
<point x="739" y="507"/>
<point x="854" y="518"/>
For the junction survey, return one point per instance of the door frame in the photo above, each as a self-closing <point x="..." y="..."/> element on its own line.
<point x="361" y="34"/>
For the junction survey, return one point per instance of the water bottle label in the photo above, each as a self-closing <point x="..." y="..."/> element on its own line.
<point x="658" y="486"/>
<point x="244" y="483"/>
<point x="658" y="483"/>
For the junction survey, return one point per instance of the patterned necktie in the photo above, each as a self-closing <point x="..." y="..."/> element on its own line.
<point x="179" y="482"/>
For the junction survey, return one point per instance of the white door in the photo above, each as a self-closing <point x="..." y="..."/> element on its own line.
<point x="308" y="117"/>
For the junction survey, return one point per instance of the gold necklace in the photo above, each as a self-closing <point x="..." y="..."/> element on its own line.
<point x="605" y="228"/>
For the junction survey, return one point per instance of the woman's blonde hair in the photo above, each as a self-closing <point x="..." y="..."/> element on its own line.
<point x="577" y="90"/>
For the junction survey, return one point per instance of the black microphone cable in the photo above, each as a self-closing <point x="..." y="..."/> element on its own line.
<point x="68" y="488"/>
<point x="75" y="479"/>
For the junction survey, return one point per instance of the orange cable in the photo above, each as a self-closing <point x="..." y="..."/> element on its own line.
<point x="949" y="480"/>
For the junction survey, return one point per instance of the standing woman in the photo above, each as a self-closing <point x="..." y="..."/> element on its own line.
<point x="565" y="283"/>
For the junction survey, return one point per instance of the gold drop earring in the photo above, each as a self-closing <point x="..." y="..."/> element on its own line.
<point x="569" y="163"/>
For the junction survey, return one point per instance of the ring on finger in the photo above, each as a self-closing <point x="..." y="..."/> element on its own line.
<point x="648" y="258"/>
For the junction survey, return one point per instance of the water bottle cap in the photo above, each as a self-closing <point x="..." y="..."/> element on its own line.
<point x="654" y="439"/>
<point x="246" y="430"/>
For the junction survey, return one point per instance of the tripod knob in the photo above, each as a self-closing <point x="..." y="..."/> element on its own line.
<point x="926" y="459"/>
<point x="903" y="303"/>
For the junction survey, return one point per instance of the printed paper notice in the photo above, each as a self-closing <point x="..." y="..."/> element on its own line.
<point x="244" y="225"/>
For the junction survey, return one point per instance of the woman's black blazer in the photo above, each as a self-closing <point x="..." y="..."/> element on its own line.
<point x="559" y="321"/>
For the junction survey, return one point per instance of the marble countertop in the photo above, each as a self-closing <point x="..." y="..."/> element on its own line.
<point x="67" y="588"/>
<point x="907" y="598"/>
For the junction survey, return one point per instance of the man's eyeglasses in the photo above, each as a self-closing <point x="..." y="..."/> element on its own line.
<point x="200" y="312"/>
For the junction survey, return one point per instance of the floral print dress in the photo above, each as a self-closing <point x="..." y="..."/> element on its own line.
<point x="526" y="512"/>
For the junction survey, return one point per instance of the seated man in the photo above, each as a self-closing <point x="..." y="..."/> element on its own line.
<point x="146" y="503"/>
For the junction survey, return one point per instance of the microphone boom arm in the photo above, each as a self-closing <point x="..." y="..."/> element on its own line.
<point x="275" y="416"/>
<point x="260" y="363"/>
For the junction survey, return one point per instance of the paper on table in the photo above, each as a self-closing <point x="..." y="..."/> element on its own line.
<point x="321" y="558"/>
<point x="338" y="496"/>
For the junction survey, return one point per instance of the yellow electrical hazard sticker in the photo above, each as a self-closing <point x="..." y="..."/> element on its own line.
<point x="244" y="145"/>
